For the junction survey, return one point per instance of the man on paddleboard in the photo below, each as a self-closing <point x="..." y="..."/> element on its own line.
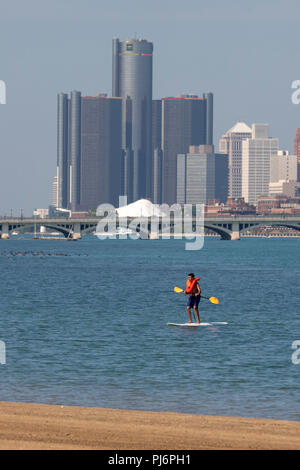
<point x="194" y="292"/>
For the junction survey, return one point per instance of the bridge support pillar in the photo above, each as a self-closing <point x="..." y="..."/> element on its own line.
<point x="5" y="232"/>
<point x="76" y="232"/>
<point x="153" y="236"/>
<point x="235" y="234"/>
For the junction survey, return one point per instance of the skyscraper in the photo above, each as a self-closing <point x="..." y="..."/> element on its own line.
<point x="75" y="149"/>
<point x="157" y="151"/>
<point x="132" y="80"/>
<point x="62" y="149"/>
<point x="195" y="178"/>
<point x="202" y="175"/>
<point x="209" y="97"/>
<point x="89" y="151"/>
<point x="184" y="123"/>
<point x="101" y="151"/>
<point x="256" y="157"/>
<point x="231" y="144"/>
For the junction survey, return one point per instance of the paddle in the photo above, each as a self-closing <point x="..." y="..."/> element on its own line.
<point x="213" y="300"/>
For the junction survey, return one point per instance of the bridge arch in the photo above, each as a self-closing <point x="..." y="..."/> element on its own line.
<point x="65" y="231"/>
<point x="224" y="232"/>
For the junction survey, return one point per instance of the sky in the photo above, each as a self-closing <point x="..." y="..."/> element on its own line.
<point x="245" y="52"/>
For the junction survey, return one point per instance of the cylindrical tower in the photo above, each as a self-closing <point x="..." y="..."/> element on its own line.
<point x="132" y="78"/>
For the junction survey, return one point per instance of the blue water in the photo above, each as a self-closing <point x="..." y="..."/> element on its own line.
<point x="84" y="323"/>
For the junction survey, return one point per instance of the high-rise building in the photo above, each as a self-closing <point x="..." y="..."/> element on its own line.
<point x="221" y="177"/>
<point x="209" y="97"/>
<point x="184" y="123"/>
<point x="283" y="166"/>
<point x="132" y="80"/>
<point x="297" y="151"/>
<point x="202" y="175"/>
<point x="157" y="151"/>
<point x="101" y="151"/>
<point x="231" y="144"/>
<point x="62" y="149"/>
<point x="256" y="156"/>
<point x="74" y="149"/>
<point x="89" y="151"/>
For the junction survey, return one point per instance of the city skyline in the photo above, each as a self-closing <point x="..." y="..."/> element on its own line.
<point x="190" y="65"/>
<point x="147" y="165"/>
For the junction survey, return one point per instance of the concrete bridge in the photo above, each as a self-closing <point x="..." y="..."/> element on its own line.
<point x="232" y="227"/>
<point x="70" y="228"/>
<point x="228" y="227"/>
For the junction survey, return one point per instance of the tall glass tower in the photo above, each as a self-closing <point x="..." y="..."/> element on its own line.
<point x="62" y="149"/>
<point x="184" y="121"/>
<point x="132" y="80"/>
<point x="75" y="148"/>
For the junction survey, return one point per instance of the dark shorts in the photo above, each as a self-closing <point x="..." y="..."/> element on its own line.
<point x="193" y="301"/>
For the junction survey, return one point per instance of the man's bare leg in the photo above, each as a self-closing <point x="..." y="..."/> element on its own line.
<point x="190" y="316"/>
<point x="197" y="313"/>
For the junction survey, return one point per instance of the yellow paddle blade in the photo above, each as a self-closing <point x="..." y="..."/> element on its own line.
<point x="214" y="300"/>
<point x="177" y="289"/>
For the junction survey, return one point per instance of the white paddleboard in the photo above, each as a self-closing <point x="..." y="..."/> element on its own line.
<point x="214" y="323"/>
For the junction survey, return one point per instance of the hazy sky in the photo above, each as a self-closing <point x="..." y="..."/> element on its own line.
<point x="245" y="52"/>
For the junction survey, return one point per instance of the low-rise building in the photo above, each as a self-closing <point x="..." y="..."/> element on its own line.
<point x="286" y="188"/>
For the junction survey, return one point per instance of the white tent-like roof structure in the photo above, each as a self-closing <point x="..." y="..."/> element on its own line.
<point x="140" y="208"/>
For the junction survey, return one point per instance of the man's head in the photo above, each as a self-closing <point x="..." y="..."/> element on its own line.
<point x="191" y="276"/>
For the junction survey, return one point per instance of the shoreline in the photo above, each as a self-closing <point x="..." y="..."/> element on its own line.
<point x="38" y="426"/>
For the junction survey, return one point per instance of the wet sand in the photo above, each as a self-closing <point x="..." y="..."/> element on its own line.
<point x="33" y="426"/>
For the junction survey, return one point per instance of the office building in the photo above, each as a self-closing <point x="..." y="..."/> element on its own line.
<point x="209" y="97"/>
<point x="75" y="148"/>
<point x="285" y="188"/>
<point x="101" y="151"/>
<point x="283" y="166"/>
<point x="157" y="155"/>
<point x="202" y="175"/>
<point x="297" y="151"/>
<point x="184" y="123"/>
<point x="55" y="192"/>
<point x="89" y="151"/>
<point x="62" y="149"/>
<point x="231" y="144"/>
<point x="256" y="156"/>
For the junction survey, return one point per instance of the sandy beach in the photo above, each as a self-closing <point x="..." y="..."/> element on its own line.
<point x="34" y="426"/>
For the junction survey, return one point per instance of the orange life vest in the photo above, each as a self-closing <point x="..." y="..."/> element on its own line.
<point x="191" y="284"/>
